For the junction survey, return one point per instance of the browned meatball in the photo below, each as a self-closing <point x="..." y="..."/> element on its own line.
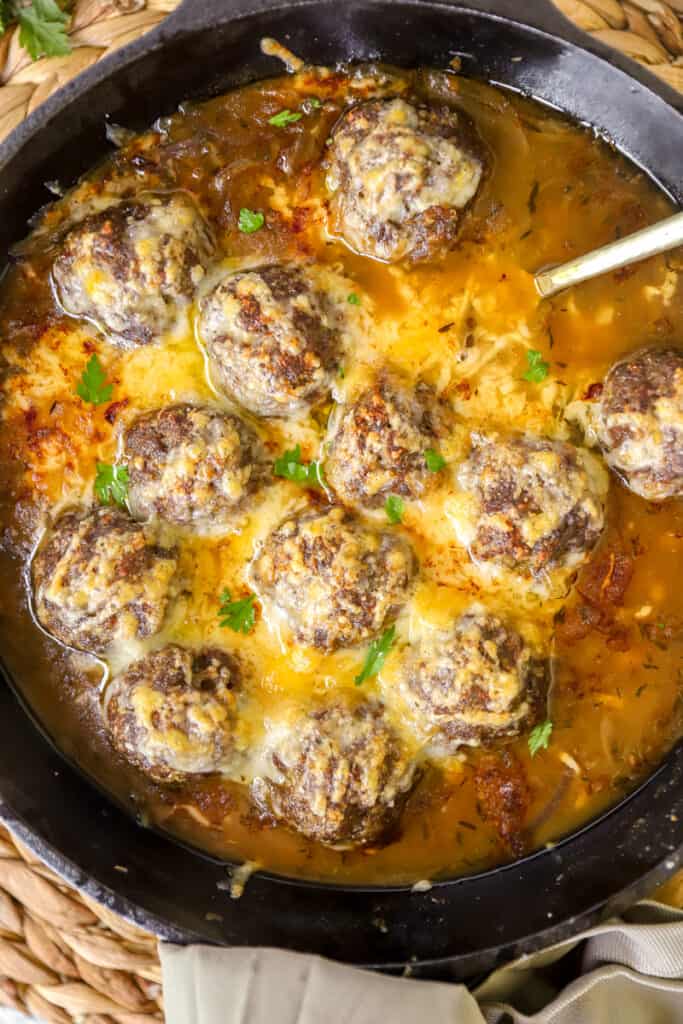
<point x="400" y="177"/>
<point x="529" y="505"/>
<point x="640" y="422"/>
<point x="336" y="581"/>
<point x="377" y="445"/>
<point x="190" y="465"/>
<point x="473" y="683"/>
<point x="275" y="336"/>
<point x="173" y="712"/>
<point x="99" y="578"/>
<point x="131" y="268"/>
<point x="339" y="775"/>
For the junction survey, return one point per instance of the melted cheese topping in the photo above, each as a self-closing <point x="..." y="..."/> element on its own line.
<point x="463" y="325"/>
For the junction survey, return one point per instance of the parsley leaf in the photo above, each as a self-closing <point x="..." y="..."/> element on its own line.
<point x="237" y="615"/>
<point x="250" y="221"/>
<point x="313" y="102"/>
<point x="434" y="462"/>
<point x="538" y="368"/>
<point x="42" y="29"/>
<point x="394" y="508"/>
<point x="353" y="299"/>
<point x="284" y="118"/>
<point x="539" y="737"/>
<point x="377" y="652"/>
<point x="290" y="466"/>
<point x="92" y="386"/>
<point x="111" y="484"/>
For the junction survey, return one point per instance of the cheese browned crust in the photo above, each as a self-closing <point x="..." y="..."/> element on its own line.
<point x="101" y="578"/>
<point x="172" y="713"/>
<point x="400" y="176"/>
<point x="131" y="268"/>
<point x="338" y="775"/>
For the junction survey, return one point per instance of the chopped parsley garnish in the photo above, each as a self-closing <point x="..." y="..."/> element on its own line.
<point x="284" y="118"/>
<point x="353" y="299"/>
<point x="539" y="737"/>
<point x="93" y="387"/>
<point x="42" y="27"/>
<point x="290" y="466"/>
<point x="434" y="462"/>
<point x="111" y="484"/>
<point x="250" y="221"/>
<point x="377" y="652"/>
<point x="237" y="615"/>
<point x="394" y="508"/>
<point x="341" y="372"/>
<point x="314" y="102"/>
<point x="538" y="368"/>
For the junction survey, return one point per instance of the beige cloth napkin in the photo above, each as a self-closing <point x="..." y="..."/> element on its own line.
<point x="629" y="971"/>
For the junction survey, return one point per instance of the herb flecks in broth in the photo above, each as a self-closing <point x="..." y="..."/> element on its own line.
<point x="468" y="327"/>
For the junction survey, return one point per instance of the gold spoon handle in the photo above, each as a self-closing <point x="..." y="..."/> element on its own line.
<point x="667" y="234"/>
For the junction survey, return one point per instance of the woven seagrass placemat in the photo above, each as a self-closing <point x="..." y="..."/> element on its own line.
<point x="64" y="958"/>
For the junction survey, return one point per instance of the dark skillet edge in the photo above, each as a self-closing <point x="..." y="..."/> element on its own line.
<point x="645" y="848"/>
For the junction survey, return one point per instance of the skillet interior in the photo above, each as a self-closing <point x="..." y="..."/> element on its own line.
<point x="420" y="925"/>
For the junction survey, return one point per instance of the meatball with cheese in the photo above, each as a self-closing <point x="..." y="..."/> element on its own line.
<point x="335" y="581"/>
<point x="101" y="578"/>
<point x="131" y="269"/>
<point x="376" y="445"/>
<point x="190" y="465"/>
<point x="173" y="712"/>
<point x="639" y="422"/>
<point x="400" y="177"/>
<point x="275" y="336"/>
<point x="338" y="775"/>
<point x="471" y="683"/>
<point x="529" y="505"/>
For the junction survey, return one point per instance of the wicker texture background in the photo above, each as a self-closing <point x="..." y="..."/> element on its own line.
<point x="63" y="958"/>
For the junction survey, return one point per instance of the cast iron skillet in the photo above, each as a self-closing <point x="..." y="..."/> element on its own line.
<point x="459" y="927"/>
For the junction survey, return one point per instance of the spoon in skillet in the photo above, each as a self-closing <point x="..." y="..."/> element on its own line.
<point x="667" y="234"/>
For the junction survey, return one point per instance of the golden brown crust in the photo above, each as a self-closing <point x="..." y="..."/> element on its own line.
<point x="640" y="422"/>
<point x="99" y="577"/>
<point x="130" y="268"/>
<point x="274" y="336"/>
<point x="339" y="775"/>
<point x="376" y="445"/>
<point x="530" y="505"/>
<point x="473" y="683"/>
<point x="190" y="465"/>
<point x="400" y="177"/>
<point x="336" y="581"/>
<point x="172" y="713"/>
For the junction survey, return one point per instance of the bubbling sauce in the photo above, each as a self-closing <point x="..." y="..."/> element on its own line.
<point x="464" y="325"/>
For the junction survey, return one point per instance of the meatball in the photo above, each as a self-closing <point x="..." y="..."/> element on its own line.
<point x="475" y="682"/>
<point x="190" y="465"/>
<point x="376" y="446"/>
<point x="173" y="712"/>
<point x="131" y="267"/>
<point x="101" y="578"/>
<point x="274" y="336"/>
<point x="400" y="177"/>
<point x="639" y="422"/>
<point x="339" y="775"/>
<point x="529" y="505"/>
<point x="334" y="580"/>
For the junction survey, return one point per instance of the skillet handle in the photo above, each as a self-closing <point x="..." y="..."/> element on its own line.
<point x="540" y="14"/>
